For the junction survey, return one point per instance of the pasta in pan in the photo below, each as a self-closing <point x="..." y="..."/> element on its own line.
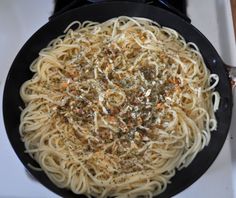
<point x="114" y="109"/>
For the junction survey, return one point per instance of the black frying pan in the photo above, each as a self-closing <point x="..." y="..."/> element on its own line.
<point x="20" y="72"/>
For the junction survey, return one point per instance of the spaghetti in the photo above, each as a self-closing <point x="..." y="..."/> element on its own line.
<point x="115" y="108"/>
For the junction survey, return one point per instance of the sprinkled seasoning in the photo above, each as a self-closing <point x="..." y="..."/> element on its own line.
<point x="148" y="93"/>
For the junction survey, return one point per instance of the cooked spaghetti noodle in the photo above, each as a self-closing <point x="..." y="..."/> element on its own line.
<point x="115" y="108"/>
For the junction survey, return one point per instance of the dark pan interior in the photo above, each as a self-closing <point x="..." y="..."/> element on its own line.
<point x="19" y="73"/>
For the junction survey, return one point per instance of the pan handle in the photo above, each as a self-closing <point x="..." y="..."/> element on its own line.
<point x="69" y="6"/>
<point x="164" y="4"/>
<point x="232" y="74"/>
<point x="160" y="3"/>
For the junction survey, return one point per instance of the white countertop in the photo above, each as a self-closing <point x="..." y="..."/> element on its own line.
<point x="20" y="19"/>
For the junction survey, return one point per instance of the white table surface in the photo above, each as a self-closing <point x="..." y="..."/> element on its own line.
<point x="20" y="19"/>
